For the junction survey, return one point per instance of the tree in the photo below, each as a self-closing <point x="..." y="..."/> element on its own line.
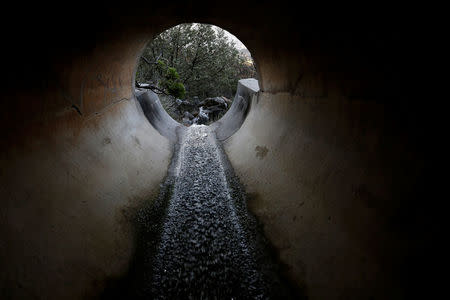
<point x="199" y="59"/>
<point x="170" y="80"/>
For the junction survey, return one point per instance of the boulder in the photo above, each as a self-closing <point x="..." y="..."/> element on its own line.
<point x="188" y="115"/>
<point x="214" y="101"/>
<point x="184" y="105"/>
<point x="202" y="116"/>
<point x="214" y="111"/>
<point x="186" y="121"/>
<point x="228" y="101"/>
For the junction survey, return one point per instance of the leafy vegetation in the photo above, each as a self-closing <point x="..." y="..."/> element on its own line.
<point x="193" y="60"/>
<point x="170" y="81"/>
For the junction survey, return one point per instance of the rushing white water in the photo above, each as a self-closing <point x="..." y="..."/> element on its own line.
<point x="202" y="117"/>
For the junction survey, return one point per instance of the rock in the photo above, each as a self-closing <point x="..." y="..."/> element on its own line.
<point x="184" y="105"/>
<point x="228" y="101"/>
<point x="195" y="100"/>
<point x="215" y="101"/>
<point x="215" y="111"/>
<point x="196" y="112"/>
<point x="215" y="107"/>
<point x="188" y="115"/>
<point x="186" y="121"/>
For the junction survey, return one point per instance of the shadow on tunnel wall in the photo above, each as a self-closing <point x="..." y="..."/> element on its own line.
<point x="331" y="152"/>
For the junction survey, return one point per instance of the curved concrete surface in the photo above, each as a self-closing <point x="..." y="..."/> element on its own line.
<point x="235" y="116"/>
<point x="156" y="114"/>
<point x="68" y="199"/>
<point x="224" y="127"/>
<point x="330" y="151"/>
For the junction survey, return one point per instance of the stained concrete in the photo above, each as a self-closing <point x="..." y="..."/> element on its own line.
<point x="333" y="150"/>
<point x="235" y="116"/>
<point x="322" y="191"/>
<point x="68" y="199"/>
<point x="156" y="115"/>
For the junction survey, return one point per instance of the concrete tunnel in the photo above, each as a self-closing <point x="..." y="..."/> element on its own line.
<point x="329" y="150"/>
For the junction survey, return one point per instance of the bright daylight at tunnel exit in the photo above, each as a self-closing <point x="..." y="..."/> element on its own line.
<point x="194" y="69"/>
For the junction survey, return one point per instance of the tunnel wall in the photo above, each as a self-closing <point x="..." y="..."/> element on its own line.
<point x="328" y="183"/>
<point x="332" y="157"/>
<point x="69" y="198"/>
<point x="157" y="116"/>
<point x="235" y="116"/>
<point x="329" y="152"/>
<point x="78" y="158"/>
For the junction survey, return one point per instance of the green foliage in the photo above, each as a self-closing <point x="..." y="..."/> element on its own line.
<point x="169" y="80"/>
<point x="172" y="74"/>
<point x="193" y="60"/>
<point x="175" y="89"/>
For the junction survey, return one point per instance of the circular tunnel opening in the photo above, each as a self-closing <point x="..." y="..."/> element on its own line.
<point x="194" y="69"/>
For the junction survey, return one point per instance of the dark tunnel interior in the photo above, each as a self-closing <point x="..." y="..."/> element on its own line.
<point x="331" y="148"/>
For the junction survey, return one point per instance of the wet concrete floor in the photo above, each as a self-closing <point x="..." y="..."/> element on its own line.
<point x="198" y="241"/>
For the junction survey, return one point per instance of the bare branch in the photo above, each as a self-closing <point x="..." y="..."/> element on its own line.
<point x="153" y="88"/>
<point x="155" y="62"/>
<point x="146" y="60"/>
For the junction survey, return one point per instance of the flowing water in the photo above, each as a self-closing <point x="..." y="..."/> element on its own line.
<point x="199" y="241"/>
